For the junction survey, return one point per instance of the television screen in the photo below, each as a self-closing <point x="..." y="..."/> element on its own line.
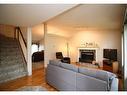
<point x="110" y="54"/>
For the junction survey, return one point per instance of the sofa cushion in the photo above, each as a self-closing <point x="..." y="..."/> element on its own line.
<point x="55" y="62"/>
<point x="69" y="67"/>
<point x="99" y="74"/>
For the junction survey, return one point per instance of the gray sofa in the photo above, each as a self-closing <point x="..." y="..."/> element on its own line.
<point x="67" y="77"/>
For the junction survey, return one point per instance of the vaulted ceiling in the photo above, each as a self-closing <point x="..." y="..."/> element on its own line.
<point x="88" y="17"/>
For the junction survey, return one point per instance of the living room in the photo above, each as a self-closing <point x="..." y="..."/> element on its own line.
<point x="92" y="28"/>
<point x="79" y="30"/>
<point x="69" y="32"/>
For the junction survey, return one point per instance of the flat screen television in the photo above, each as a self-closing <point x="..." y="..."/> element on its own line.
<point x="110" y="54"/>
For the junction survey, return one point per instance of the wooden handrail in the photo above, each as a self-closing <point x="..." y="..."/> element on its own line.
<point x="19" y="31"/>
<point x="16" y="36"/>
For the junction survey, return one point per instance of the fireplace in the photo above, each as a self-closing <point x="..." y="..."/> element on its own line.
<point x="86" y="55"/>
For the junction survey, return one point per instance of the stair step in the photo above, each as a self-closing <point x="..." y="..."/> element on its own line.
<point x="4" y="42"/>
<point x="12" y="63"/>
<point x="9" y="49"/>
<point x="2" y="74"/>
<point x="13" y="57"/>
<point x="12" y="77"/>
<point x="10" y="68"/>
<point x="8" y="46"/>
<point x="10" y="53"/>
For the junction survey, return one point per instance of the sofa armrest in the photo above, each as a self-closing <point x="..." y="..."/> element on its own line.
<point x="114" y="84"/>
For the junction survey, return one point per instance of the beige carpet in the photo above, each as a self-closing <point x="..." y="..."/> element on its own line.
<point x="31" y="88"/>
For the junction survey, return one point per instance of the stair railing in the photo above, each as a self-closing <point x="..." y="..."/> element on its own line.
<point x="20" y="33"/>
<point x="19" y="36"/>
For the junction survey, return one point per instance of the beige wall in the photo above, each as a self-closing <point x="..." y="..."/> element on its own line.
<point x="41" y="42"/>
<point x="104" y="39"/>
<point x="7" y="30"/>
<point x="58" y="31"/>
<point x="53" y="44"/>
<point x="24" y="32"/>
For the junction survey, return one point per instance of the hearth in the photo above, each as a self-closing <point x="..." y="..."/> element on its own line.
<point x="87" y="55"/>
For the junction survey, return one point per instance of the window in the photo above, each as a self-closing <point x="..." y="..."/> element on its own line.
<point x="34" y="48"/>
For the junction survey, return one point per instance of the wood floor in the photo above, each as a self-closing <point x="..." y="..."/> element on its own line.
<point x="37" y="79"/>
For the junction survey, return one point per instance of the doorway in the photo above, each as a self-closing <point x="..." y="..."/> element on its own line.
<point x="37" y="47"/>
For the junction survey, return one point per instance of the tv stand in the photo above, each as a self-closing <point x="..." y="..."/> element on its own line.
<point x="107" y="65"/>
<point x="108" y="62"/>
<point x="111" y="66"/>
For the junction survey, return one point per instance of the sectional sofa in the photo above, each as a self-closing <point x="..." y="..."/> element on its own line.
<point x="68" y="77"/>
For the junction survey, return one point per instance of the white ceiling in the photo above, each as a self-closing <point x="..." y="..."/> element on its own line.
<point x="62" y="19"/>
<point x="30" y="14"/>
<point x="88" y="16"/>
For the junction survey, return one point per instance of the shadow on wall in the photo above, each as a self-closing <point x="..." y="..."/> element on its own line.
<point x="125" y="85"/>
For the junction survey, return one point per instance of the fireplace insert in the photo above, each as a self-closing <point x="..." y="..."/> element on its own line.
<point x="87" y="56"/>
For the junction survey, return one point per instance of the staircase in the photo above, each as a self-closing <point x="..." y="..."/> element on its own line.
<point x="12" y="63"/>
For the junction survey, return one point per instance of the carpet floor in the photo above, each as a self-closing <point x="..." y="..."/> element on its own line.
<point x="31" y="88"/>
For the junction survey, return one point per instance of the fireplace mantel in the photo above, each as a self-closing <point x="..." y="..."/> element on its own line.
<point x="88" y="48"/>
